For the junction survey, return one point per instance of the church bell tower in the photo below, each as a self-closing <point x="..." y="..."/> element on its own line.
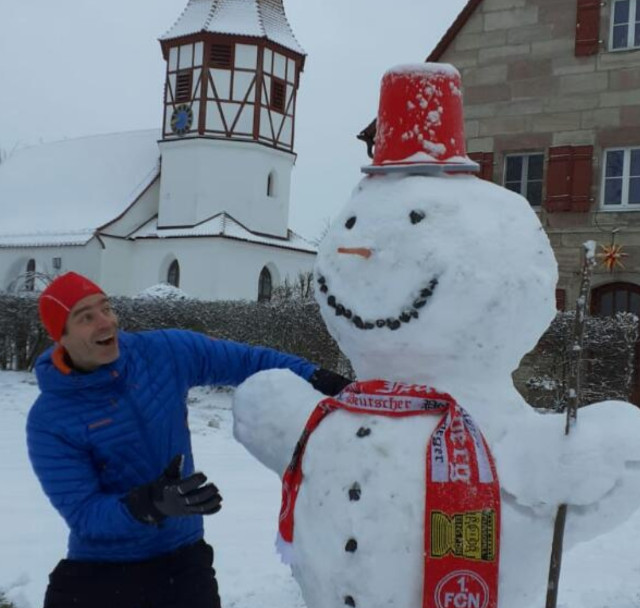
<point x="233" y="70"/>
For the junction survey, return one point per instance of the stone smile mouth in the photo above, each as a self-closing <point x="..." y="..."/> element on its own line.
<point x="412" y="311"/>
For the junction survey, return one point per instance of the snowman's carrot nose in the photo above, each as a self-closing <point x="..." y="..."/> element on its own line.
<point x="363" y="251"/>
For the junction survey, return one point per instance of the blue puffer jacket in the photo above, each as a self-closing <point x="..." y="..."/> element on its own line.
<point x="92" y="437"/>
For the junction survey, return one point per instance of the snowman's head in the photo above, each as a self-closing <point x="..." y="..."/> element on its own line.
<point x="423" y="278"/>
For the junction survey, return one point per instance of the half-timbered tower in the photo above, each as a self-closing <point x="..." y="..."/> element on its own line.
<point x="233" y="69"/>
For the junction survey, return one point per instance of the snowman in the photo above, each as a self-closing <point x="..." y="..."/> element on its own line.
<point x="429" y="481"/>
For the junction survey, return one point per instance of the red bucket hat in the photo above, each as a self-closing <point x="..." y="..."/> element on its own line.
<point x="57" y="300"/>
<point x="420" y="127"/>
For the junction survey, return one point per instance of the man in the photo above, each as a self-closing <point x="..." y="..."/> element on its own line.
<point x="109" y="441"/>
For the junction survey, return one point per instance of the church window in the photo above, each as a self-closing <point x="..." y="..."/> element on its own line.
<point x="221" y="56"/>
<point x="278" y="89"/>
<point x="523" y="174"/>
<point x="264" y="286"/>
<point x="173" y="275"/>
<point x="271" y="184"/>
<point x="30" y="275"/>
<point x="184" y="84"/>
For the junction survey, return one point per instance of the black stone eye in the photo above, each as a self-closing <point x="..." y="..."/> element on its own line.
<point x="350" y="223"/>
<point x="416" y="216"/>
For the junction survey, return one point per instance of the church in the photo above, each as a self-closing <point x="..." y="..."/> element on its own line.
<point x="202" y="203"/>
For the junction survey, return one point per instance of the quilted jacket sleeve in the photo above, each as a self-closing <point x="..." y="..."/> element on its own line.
<point x="223" y="362"/>
<point x="68" y="478"/>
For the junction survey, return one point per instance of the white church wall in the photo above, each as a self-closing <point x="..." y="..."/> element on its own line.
<point x="138" y="214"/>
<point x="117" y="265"/>
<point x="82" y="259"/>
<point x="201" y="178"/>
<point x="212" y="268"/>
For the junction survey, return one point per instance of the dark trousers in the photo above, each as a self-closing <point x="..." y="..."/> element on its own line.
<point x="182" y="579"/>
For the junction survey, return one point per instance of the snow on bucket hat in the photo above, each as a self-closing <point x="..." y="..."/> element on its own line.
<point x="60" y="296"/>
<point x="420" y="127"/>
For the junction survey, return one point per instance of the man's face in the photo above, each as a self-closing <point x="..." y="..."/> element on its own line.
<point x="91" y="336"/>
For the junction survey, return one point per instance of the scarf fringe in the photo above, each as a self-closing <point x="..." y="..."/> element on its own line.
<point x="285" y="550"/>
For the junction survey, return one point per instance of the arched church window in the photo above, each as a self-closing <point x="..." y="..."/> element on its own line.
<point x="30" y="275"/>
<point x="271" y="184"/>
<point x="173" y="275"/>
<point x="264" y="286"/>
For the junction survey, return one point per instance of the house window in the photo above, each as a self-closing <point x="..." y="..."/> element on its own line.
<point x="615" y="297"/>
<point x="173" y="275"/>
<point x="184" y="84"/>
<point x="221" y="56"/>
<point x="621" y="188"/>
<point x="264" y="286"/>
<point x="523" y="174"/>
<point x="278" y="89"/>
<point x="30" y="275"/>
<point x="625" y="24"/>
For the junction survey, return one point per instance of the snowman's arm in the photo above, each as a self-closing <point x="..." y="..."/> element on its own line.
<point x="595" y="469"/>
<point x="270" y="410"/>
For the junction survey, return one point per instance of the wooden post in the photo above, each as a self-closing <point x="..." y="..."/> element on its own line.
<point x="573" y="401"/>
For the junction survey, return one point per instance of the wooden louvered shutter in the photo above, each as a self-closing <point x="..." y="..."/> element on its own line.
<point x="587" y="28"/>
<point x="569" y="177"/>
<point x="485" y="160"/>
<point x="582" y="178"/>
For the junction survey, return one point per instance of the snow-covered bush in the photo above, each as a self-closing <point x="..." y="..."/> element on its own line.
<point x="291" y="325"/>
<point x="608" y="359"/>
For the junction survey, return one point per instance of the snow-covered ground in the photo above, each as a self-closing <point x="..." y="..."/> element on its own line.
<point x="604" y="573"/>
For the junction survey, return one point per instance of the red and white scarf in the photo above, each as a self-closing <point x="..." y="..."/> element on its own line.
<point x="462" y="515"/>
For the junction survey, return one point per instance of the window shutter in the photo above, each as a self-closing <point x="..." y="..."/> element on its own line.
<point x="582" y="178"/>
<point x="561" y="300"/>
<point x="485" y="160"/>
<point x="587" y="28"/>
<point x="569" y="176"/>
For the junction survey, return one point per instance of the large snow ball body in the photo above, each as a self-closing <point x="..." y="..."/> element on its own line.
<point x="449" y="273"/>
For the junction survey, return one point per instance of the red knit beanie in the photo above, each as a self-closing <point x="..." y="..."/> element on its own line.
<point x="57" y="300"/>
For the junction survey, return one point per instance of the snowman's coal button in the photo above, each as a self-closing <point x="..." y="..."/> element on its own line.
<point x="381" y="322"/>
<point x="426" y="292"/>
<point x="324" y="288"/>
<point x="331" y="301"/>
<point x="419" y="303"/>
<point x="405" y="317"/>
<point x="358" y="322"/>
<point x="363" y="431"/>
<point x="415" y="314"/>
<point x="349" y="601"/>
<point x="354" y="492"/>
<point x="339" y="310"/>
<point x="351" y="546"/>
<point x="347" y="313"/>
<point x="322" y="280"/>
<point x="368" y="325"/>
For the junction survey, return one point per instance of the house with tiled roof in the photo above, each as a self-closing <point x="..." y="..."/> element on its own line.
<point x="552" y="110"/>
<point x="202" y="203"/>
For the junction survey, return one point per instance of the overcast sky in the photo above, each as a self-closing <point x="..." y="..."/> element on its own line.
<point x="70" y="68"/>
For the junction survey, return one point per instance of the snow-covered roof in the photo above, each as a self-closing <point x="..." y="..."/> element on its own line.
<point x="61" y="193"/>
<point x="255" y="18"/>
<point x="223" y="225"/>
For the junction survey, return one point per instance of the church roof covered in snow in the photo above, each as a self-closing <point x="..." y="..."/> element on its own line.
<point x="61" y="193"/>
<point x="255" y="18"/>
<point x="223" y="225"/>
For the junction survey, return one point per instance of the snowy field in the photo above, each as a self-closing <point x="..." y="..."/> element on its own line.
<point x="604" y="573"/>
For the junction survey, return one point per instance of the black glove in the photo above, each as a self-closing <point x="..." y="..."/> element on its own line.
<point x="171" y="496"/>
<point x="328" y="382"/>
